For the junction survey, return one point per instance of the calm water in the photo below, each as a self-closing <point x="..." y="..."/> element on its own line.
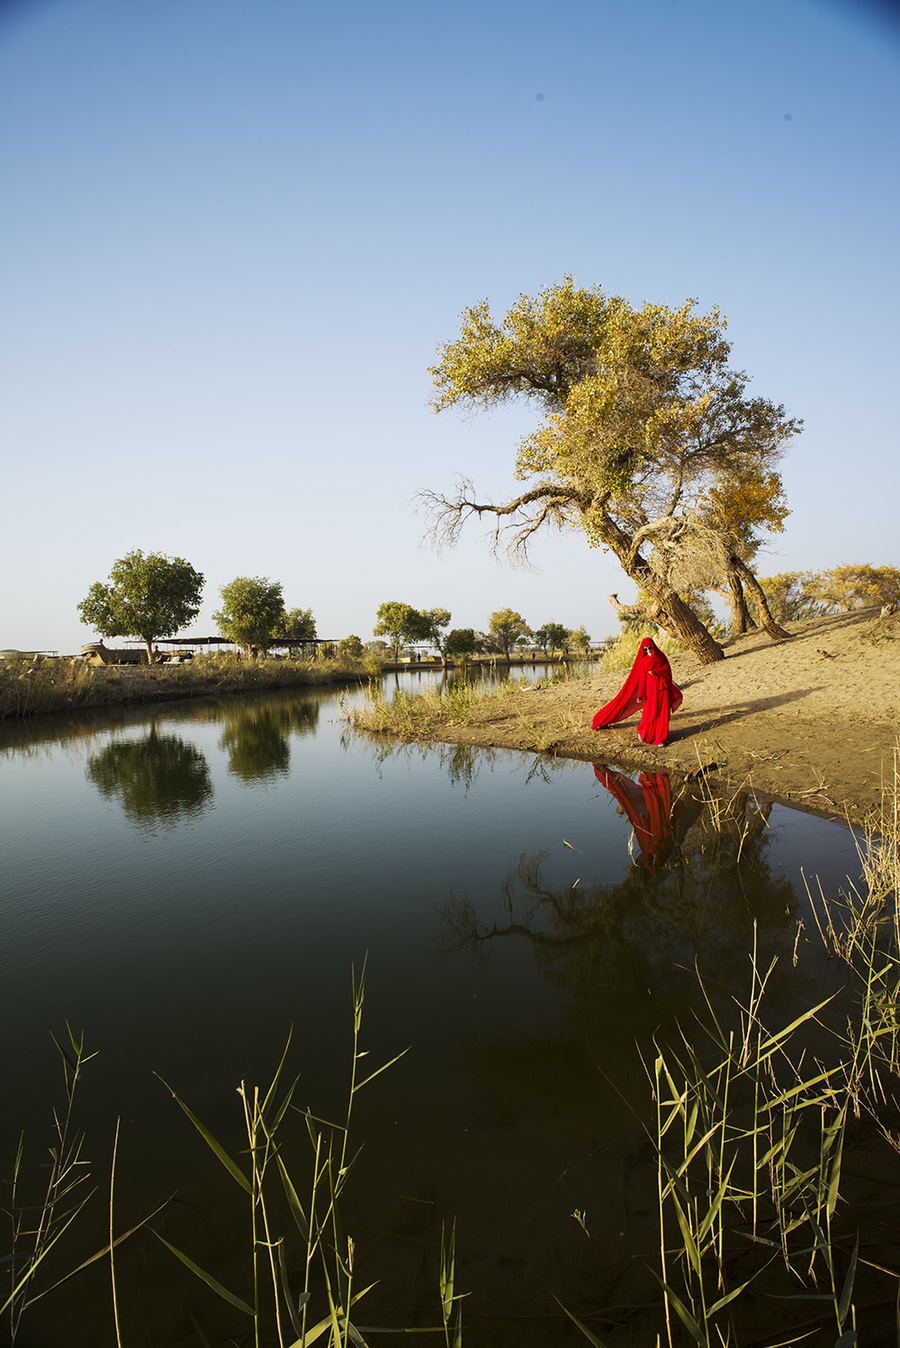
<point x="186" y="886"/>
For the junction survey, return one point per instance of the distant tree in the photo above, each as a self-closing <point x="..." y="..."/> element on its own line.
<point x="146" y="597"/>
<point x="789" y="597"/>
<point x="845" y="588"/>
<point x="551" y="637"/>
<point x="350" y="648"/>
<point x="506" y="627"/>
<point x="460" y="644"/>
<point x="252" y="611"/>
<point x="434" y="620"/>
<point x="299" y="625"/>
<point x="400" y="623"/>
<point x="581" y="640"/>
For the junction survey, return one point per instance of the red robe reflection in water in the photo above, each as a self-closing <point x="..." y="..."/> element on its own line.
<point x="649" y="686"/>
<point x="647" y="804"/>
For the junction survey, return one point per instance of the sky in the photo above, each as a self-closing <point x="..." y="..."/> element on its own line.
<point x="233" y="236"/>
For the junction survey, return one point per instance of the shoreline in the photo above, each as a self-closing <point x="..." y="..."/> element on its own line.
<point x="810" y="723"/>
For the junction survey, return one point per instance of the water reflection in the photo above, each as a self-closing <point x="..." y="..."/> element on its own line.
<point x="647" y="803"/>
<point x="700" y="892"/>
<point x="159" y="780"/>
<point x="462" y="763"/>
<point x="256" y="735"/>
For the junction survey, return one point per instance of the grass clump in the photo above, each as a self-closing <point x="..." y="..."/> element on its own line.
<point x="421" y="715"/>
<point x="30" y="686"/>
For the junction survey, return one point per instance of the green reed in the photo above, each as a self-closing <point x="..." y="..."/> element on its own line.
<point x="297" y="1303"/>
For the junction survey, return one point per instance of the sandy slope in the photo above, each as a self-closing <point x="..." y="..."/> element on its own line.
<point x="812" y="721"/>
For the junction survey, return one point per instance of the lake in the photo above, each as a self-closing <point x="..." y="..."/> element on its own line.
<point x="189" y="885"/>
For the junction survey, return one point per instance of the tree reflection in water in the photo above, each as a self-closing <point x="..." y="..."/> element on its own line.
<point x="256" y="737"/>
<point x="160" y="780"/>
<point x="623" y="955"/>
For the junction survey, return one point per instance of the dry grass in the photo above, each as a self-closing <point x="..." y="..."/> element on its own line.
<point x="38" y="686"/>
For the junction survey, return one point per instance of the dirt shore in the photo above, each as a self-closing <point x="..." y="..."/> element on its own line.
<point x="812" y="722"/>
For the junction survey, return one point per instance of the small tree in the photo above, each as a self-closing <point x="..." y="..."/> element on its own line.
<point x="506" y="627"/>
<point x="434" y="620"/>
<point x="551" y="637"/>
<point x="299" y="625"/>
<point x="581" y="640"/>
<point x="252" y="611"/>
<point x="350" y="648"/>
<point x="460" y="644"/>
<point x="400" y="623"/>
<point x="789" y="597"/>
<point x="146" y="597"/>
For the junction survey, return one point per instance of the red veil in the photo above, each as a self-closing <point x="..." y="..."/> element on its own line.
<point x="647" y="804"/>
<point x="649" y="686"/>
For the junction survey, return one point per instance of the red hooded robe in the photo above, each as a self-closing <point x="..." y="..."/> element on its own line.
<point x="647" y="804"/>
<point x="649" y="687"/>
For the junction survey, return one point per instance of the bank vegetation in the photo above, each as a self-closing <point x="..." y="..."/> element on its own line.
<point x="39" y="685"/>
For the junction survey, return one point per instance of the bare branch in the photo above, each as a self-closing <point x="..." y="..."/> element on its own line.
<point x="514" y="523"/>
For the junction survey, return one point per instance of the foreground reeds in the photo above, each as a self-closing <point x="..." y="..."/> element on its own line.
<point x="763" y="1238"/>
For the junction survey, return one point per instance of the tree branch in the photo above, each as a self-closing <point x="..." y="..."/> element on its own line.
<point x="509" y="534"/>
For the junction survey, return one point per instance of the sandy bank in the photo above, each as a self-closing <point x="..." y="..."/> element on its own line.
<point x="812" y="722"/>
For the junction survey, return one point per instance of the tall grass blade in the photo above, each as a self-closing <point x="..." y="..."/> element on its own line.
<point x="847" y="1290"/>
<point x="218" y="1150"/>
<point x="208" y="1278"/>
<point x="591" y="1338"/>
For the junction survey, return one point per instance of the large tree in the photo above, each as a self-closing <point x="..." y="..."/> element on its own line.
<point x="148" y="597"/>
<point x="460" y="644"/>
<point x="642" y="418"/>
<point x="252" y="612"/>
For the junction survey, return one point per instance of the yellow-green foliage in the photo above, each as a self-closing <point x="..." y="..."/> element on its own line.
<point x="623" y="651"/>
<point x="794" y="595"/>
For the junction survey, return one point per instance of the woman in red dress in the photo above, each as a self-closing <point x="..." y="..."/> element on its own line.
<point x="649" y="687"/>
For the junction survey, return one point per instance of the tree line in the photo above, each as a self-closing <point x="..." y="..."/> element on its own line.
<point x="404" y="625"/>
<point x="152" y="597"/>
<point x="811" y="594"/>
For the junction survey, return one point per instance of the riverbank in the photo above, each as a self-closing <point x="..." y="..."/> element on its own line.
<point x="811" y="722"/>
<point x="65" y="685"/>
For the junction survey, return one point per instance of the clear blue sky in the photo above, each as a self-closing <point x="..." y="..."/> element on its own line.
<point x="234" y="233"/>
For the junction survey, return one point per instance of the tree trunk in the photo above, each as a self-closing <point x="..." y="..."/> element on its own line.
<point x="773" y="629"/>
<point x="681" y="622"/>
<point x="741" y="618"/>
<point x="666" y="607"/>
